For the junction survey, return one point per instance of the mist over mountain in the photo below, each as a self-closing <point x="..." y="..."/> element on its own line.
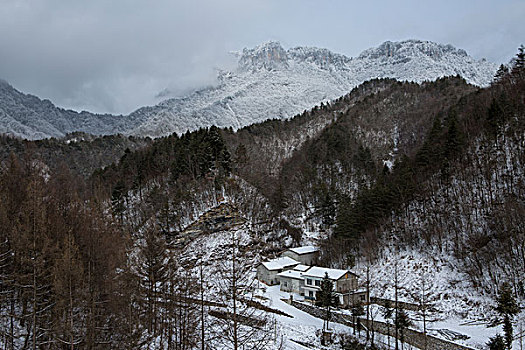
<point x="269" y="82"/>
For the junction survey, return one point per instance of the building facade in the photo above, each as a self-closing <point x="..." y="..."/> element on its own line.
<point x="344" y="283"/>
<point x="267" y="271"/>
<point x="306" y="255"/>
<point x="291" y="281"/>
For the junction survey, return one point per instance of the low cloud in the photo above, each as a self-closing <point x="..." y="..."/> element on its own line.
<point x="115" y="56"/>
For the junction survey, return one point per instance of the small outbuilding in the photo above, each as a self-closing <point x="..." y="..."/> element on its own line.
<point x="306" y="255"/>
<point x="291" y="281"/>
<point x="267" y="271"/>
<point x="355" y="297"/>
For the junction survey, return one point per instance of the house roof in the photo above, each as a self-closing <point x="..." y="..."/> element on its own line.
<point x="319" y="272"/>
<point x="291" y="274"/>
<point x="301" y="268"/>
<point x="280" y="263"/>
<point x="304" y="250"/>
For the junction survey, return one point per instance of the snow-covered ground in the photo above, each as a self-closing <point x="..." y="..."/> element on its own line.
<point x="447" y="289"/>
<point x="301" y="326"/>
<point x="462" y="313"/>
<point x="475" y="333"/>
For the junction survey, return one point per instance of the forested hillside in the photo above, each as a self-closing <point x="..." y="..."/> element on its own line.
<point x="83" y="153"/>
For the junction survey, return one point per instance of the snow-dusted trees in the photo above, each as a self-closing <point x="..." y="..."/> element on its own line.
<point x="181" y="317"/>
<point x="55" y="261"/>
<point x="423" y="296"/>
<point x="66" y="222"/>
<point x="35" y="251"/>
<point x="152" y="271"/>
<point x="241" y="325"/>
<point x="7" y="288"/>
<point x="165" y="295"/>
<point x="69" y="295"/>
<point x="7" y="296"/>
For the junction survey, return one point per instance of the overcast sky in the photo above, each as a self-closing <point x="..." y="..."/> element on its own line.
<point x="116" y="55"/>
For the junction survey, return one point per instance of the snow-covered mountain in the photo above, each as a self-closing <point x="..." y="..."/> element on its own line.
<point x="269" y="82"/>
<point x="29" y="117"/>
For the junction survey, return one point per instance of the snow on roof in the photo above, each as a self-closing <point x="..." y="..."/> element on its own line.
<point x="280" y="263"/>
<point x="291" y="274"/>
<point x="319" y="272"/>
<point x="301" y="268"/>
<point x="304" y="250"/>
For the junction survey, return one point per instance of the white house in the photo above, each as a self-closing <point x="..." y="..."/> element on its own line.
<point x="292" y="280"/>
<point x="306" y="255"/>
<point x="267" y="271"/>
<point x="344" y="281"/>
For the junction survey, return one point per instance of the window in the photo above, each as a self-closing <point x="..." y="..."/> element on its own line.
<point x="309" y="281"/>
<point x="362" y="298"/>
<point x="310" y="293"/>
<point x="286" y="284"/>
<point x="317" y="283"/>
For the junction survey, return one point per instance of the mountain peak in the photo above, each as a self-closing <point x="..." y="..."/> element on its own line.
<point x="270" y="82"/>
<point x="412" y="48"/>
<point x="269" y="55"/>
<point x="321" y="57"/>
<point x="4" y="84"/>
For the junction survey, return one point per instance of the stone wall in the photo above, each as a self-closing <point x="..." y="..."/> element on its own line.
<point x="412" y="337"/>
<point x="401" y="304"/>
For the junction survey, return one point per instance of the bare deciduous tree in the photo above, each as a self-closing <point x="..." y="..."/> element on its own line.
<point x="241" y="325"/>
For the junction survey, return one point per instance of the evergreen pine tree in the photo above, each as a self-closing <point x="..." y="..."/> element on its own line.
<point x="507" y="308"/>
<point x="501" y="74"/>
<point x="117" y="200"/>
<point x="519" y="63"/>
<point x="496" y="343"/>
<point x="402" y="323"/>
<point x="326" y="298"/>
<point x="357" y="310"/>
<point x="152" y="271"/>
<point x="388" y="313"/>
<point x="495" y="118"/>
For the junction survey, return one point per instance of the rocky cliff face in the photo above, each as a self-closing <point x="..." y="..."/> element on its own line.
<point x="270" y="56"/>
<point x="269" y="82"/>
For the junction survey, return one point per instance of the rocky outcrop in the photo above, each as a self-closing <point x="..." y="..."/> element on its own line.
<point x="220" y="218"/>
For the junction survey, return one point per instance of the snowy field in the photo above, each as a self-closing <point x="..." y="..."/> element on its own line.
<point x="303" y="326"/>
